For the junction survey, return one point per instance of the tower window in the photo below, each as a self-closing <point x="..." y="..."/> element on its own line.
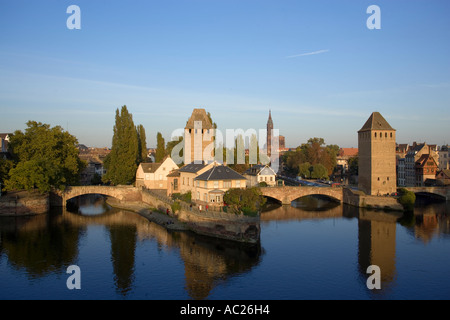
<point x="375" y="134"/>
<point x="385" y="134"/>
<point x="391" y="134"/>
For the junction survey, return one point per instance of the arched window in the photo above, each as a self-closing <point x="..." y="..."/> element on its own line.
<point x="375" y="134"/>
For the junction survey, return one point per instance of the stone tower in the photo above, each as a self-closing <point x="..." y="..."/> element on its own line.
<point x="198" y="138"/>
<point x="269" y="135"/>
<point x="376" y="151"/>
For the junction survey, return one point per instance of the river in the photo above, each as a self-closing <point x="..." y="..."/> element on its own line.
<point x="314" y="249"/>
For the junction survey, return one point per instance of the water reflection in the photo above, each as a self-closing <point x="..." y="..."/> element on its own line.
<point x="376" y="230"/>
<point x="41" y="245"/>
<point x="47" y="244"/>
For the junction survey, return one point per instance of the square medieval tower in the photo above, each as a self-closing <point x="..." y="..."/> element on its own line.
<point x="376" y="151"/>
<point x="199" y="138"/>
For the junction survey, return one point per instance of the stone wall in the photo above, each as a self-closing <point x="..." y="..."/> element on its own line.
<point x="211" y="223"/>
<point x="358" y="199"/>
<point x="23" y="203"/>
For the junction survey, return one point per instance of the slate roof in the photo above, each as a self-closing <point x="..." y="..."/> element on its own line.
<point x="199" y="115"/>
<point x="220" y="172"/>
<point x="376" y="122"/>
<point x="257" y="169"/>
<point x="192" y="167"/>
<point x="150" y="167"/>
<point x="174" y="173"/>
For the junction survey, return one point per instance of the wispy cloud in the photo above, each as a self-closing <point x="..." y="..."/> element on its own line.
<point x="307" y="54"/>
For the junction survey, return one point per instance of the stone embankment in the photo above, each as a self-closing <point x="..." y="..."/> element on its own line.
<point x="216" y="224"/>
<point x="23" y="203"/>
<point x="152" y="215"/>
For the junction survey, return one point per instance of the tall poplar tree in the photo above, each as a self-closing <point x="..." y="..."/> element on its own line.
<point x="142" y="143"/>
<point x="121" y="164"/>
<point x="160" y="148"/>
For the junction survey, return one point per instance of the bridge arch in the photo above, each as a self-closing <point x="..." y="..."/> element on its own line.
<point x="125" y="193"/>
<point x="288" y="194"/>
<point x="439" y="192"/>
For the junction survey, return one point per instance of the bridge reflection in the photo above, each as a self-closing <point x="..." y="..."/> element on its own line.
<point x="47" y="243"/>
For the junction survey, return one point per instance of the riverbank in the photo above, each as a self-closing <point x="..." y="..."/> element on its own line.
<point x="23" y="203"/>
<point x="151" y="214"/>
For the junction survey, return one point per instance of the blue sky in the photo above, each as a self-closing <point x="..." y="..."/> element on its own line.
<point x="315" y="64"/>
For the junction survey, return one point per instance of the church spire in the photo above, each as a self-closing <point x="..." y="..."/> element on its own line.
<point x="269" y="122"/>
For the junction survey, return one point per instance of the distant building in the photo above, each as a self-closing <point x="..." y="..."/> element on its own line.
<point x="260" y="173"/>
<point x="199" y="138"/>
<point x="154" y="175"/>
<point x="4" y="140"/>
<point x="443" y="177"/>
<point x="401" y="172"/>
<point x="344" y="155"/>
<point x="376" y="159"/>
<point x="444" y="158"/>
<point x="415" y="152"/>
<point x="426" y="169"/>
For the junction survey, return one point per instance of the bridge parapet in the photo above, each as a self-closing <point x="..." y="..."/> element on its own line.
<point x="287" y="194"/>
<point x="121" y="193"/>
<point x="441" y="191"/>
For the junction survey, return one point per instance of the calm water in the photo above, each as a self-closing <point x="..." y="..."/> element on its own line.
<point x="315" y="250"/>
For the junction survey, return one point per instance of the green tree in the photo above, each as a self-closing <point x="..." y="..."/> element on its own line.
<point x="305" y="170"/>
<point x="5" y="167"/>
<point x="142" y="143"/>
<point x="44" y="158"/>
<point x="353" y="165"/>
<point x="313" y="152"/>
<point x="160" y="148"/>
<point x="248" y="201"/>
<point x="407" y="199"/>
<point x="319" y="172"/>
<point x="121" y="164"/>
<point x="171" y="144"/>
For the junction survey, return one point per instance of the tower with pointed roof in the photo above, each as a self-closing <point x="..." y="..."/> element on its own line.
<point x="376" y="152"/>
<point x="269" y="135"/>
<point x="198" y="138"/>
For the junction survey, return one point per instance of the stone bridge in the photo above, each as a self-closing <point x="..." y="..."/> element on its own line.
<point x="440" y="191"/>
<point x="288" y="194"/>
<point x="121" y="193"/>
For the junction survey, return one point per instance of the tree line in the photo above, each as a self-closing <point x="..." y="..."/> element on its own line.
<point x="312" y="160"/>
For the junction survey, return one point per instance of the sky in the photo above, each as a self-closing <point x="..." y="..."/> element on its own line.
<point x="315" y="64"/>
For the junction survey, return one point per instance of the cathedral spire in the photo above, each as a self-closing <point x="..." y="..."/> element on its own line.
<point x="269" y="122"/>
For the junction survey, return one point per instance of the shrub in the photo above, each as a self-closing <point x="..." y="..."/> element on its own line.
<point x="407" y="199"/>
<point x="176" y="206"/>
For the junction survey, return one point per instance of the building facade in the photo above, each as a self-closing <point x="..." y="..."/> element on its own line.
<point x="211" y="185"/>
<point x="415" y="152"/>
<point x="260" y="173"/>
<point x="426" y="169"/>
<point x="154" y="175"/>
<point x="444" y="158"/>
<point x="377" y="161"/>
